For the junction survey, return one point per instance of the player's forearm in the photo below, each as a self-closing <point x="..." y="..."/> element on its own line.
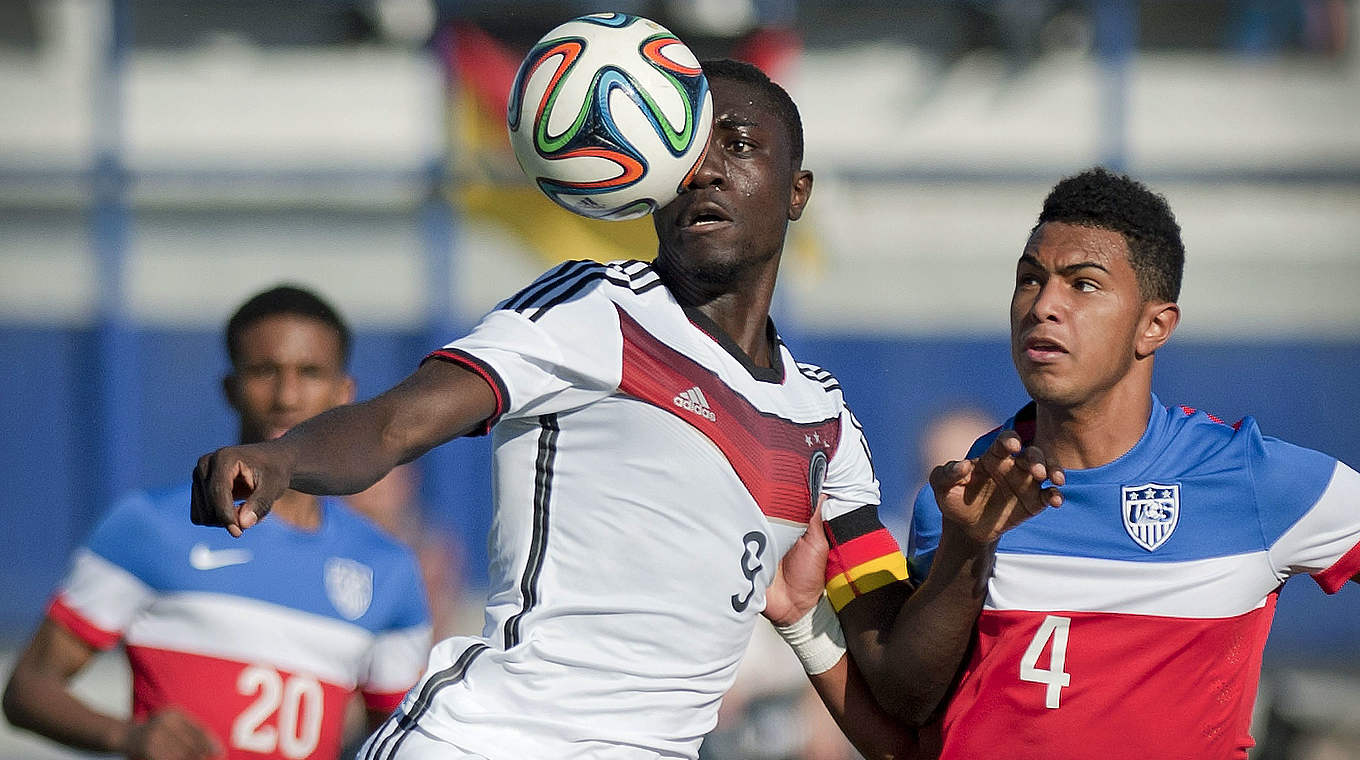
<point x="874" y="733"/>
<point x="40" y="703"/>
<point x="347" y="449"/>
<point x="343" y="450"/>
<point x="909" y="652"/>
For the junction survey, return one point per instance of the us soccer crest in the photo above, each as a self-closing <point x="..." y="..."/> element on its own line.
<point x="1151" y="512"/>
<point x="349" y="585"/>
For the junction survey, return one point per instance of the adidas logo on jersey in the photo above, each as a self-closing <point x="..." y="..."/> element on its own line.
<point x="693" y="400"/>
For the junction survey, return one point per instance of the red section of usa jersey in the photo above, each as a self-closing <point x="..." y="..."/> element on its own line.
<point x="256" y="711"/>
<point x="383" y="703"/>
<point x="1333" y="578"/>
<point x="772" y="456"/>
<point x="1080" y="684"/>
<point x="83" y="629"/>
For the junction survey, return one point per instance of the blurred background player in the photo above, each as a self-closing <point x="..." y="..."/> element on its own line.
<point x="394" y="503"/>
<point x="1133" y="620"/>
<point x="238" y="649"/>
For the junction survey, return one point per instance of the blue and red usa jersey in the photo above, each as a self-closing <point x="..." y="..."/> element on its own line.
<point x="1131" y="621"/>
<point x="263" y="638"/>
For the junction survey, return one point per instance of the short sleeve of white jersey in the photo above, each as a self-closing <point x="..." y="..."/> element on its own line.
<point x="850" y="481"/>
<point x="862" y="556"/>
<point x="1309" y="505"/>
<point x="555" y="351"/>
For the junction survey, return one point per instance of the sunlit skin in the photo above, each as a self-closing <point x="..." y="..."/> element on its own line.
<point x="720" y="244"/>
<point x="721" y="239"/>
<point x="289" y="368"/>
<point x="1083" y="339"/>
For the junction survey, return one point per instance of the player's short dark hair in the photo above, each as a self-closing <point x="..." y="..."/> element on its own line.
<point x="746" y="73"/>
<point x="1101" y="198"/>
<point x="285" y="299"/>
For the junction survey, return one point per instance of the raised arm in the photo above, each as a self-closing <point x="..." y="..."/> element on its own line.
<point x="344" y="450"/>
<point x="910" y="645"/>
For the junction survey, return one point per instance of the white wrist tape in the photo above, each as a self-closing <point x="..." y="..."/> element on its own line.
<point x="816" y="638"/>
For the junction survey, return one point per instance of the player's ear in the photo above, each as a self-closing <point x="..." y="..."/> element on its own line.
<point x="348" y="391"/>
<point x="800" y="192"/>
<point x="230" y="388"/>
<point x="1159" y="321"/>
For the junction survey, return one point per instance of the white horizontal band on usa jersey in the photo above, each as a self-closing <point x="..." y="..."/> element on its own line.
<point x="816" y="638"/>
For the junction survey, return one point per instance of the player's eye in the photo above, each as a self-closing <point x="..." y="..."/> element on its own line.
<point x="1086" y="286"/>
<point x="741" y="145"/>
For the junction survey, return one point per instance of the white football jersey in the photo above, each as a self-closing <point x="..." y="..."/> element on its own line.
<point x="648" y="478"/>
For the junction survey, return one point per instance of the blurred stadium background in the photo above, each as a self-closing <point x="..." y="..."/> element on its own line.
<point x="160" y="160"/>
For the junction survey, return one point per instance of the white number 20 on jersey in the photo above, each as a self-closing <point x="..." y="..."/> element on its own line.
<point x="1053" y="628"/>
<point x="297" y="701"/>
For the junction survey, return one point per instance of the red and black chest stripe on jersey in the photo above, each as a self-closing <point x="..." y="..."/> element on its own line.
<point x="773" y="457"/>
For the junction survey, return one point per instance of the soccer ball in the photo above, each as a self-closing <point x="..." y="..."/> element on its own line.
<point x="610" y="115"/>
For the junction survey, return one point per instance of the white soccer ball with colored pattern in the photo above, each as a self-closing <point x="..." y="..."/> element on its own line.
<point x="610" y="115"/>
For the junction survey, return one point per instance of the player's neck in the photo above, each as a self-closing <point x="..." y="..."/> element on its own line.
<point x="300" y="510"/>
<point x="741" y="309"/>
<point x="745" y="323"/>
<point x="1094" y="433"/>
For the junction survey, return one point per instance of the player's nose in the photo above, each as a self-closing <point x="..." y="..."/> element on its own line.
<point x="711" y="170"/>
<point x="287" y="390"/>
<point x="1047" y="304"/>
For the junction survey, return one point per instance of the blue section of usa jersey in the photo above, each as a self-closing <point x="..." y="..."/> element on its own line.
<point x="348" y="569"/>
<point x="1192" y="488"/>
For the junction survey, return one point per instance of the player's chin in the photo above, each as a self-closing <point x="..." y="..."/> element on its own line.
<point x="1047" y="389"/>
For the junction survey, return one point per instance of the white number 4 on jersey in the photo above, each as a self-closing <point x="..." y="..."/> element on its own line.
<point x="1056" y="628"/>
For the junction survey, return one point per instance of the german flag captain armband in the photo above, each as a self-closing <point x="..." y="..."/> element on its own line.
<point x="863" y="557"/>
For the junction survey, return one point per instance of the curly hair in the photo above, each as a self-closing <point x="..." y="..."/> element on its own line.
<point x="1101" y="198"/>
<point x="285" y="299"/>
<point x="787" y="110"/>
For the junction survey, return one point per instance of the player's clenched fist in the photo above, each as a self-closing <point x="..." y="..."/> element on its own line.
<point x="993" y="493"/>
<point x="170" y="735"/>
<point x="251" y="474"/>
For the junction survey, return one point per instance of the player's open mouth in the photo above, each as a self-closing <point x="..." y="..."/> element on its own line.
<point x="703" y="215"/>
<point x="1043" y="349"/>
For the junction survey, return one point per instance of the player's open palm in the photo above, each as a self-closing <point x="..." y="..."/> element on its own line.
<point x="246" y="474"/>
<point x="171" y="735"/>
<point x="993" y="493"/>
<point x="801" y="575"/>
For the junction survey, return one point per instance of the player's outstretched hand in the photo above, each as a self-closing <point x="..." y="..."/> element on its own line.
<point x="801" y="575"/>
<point x="245" y="474"/>
<point x="988" y="496"/>
<point x="170" y="735"/>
